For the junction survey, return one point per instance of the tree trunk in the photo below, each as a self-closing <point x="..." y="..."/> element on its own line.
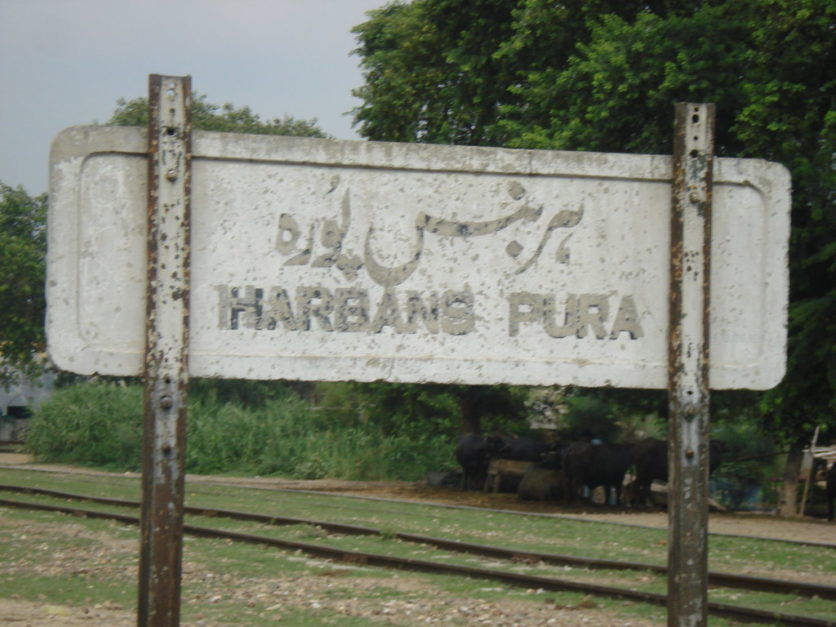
<point x="788" y="500"/>
<point x="471" y="418"/>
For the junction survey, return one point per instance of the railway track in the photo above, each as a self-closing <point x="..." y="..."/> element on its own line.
<point x="827" y="546"/>
<point x="716" y="579"/>
<point x="572" y="517"/>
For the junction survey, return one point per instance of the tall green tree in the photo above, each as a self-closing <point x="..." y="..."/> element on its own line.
<point x="227" y="118"/>
<point x="443" y="71"/>
<point x="790" y="116"/>
<point x="431" y="72"/>
<point x="22" y="264"/>
<point x="604" y="75"/>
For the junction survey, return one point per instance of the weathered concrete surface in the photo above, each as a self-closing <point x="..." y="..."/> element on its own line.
<point x="324" y="259"/>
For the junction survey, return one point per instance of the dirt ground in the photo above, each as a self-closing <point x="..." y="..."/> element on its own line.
<point x="21" y="612"/>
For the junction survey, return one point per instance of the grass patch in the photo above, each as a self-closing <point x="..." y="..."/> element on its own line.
<point x="781" y="559"/>
<point x="266" y="572"/>
<point x="109" y="485"/>
<point x="68" y="561"/>
<point x="68" y="591"/>
<point x="521" y="532"/>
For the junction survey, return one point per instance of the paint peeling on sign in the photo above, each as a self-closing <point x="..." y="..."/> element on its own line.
<point x="325" y="259"/>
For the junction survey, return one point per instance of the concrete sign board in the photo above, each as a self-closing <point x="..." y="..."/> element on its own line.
<point x="344" y="260"/>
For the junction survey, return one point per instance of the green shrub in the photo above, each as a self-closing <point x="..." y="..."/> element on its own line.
<point x="224" y="437"/>
<point x="751" y="457"/>
<point x="589" y="417"/>
<point x="243" y="392"/>
<point x="101" y="425"/>
<point x="288" y="438"/>
<point x="634" y="427"/>
<point x="94" y="424"/>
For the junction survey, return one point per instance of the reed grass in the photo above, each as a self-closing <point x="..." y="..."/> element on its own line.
<point x="100" y="425"/>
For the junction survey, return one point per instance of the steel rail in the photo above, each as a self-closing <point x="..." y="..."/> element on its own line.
<point x="512" y="512"/>
<point x="715" y="578"/>
<point x="719" y="579"/>
<point x="415" y="565"/>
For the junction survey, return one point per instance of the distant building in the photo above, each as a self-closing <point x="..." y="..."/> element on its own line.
<point x="19" y="400"/>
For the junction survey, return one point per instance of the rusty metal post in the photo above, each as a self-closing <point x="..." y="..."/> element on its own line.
<point x="688" y="365"/>
<point x="166" y="350"/>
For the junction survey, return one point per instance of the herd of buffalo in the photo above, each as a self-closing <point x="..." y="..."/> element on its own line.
<point x="565" y="471"/>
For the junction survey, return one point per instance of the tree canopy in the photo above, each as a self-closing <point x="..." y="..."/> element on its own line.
<point x="603" y="75"/>
<point x="22" y="263"/>
<point x="225" y="118"/>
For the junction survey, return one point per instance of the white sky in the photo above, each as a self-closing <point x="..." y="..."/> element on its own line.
<point x="67" y="62"/>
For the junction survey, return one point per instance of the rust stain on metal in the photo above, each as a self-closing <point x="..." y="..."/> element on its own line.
<point x="688" y="363"/>
<point x="166" y="351"/>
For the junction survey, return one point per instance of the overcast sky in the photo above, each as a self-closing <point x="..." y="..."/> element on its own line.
<point x="67" y="62"/>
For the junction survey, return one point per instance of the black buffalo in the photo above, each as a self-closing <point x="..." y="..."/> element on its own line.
<point x="650" y="457"/>
<point x="594" y="464"/>
<point x="474" y="453"/>
<point x="519" y="449"/>
<point x="553" y="457"/>
<point x="831" y="490"/>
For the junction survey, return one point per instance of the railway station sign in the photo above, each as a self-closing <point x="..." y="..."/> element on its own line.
<point x="345" y="260"/>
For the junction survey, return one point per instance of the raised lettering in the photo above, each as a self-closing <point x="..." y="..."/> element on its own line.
<point x="416" y="308"/>
<point x="239" y="312"/>
<point x="279" y="310"/>
<point x="524" y="307"/>
<point x="581" y="313"/>
<point x="593" y="310"/>
<point x="314" y="302"/>
<point x="458" y="316"/>
<point x="627" y="319"/>
<point x="571" y="318"/>
<point x="387" y="314"/>
<point x="351" y="309"/>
